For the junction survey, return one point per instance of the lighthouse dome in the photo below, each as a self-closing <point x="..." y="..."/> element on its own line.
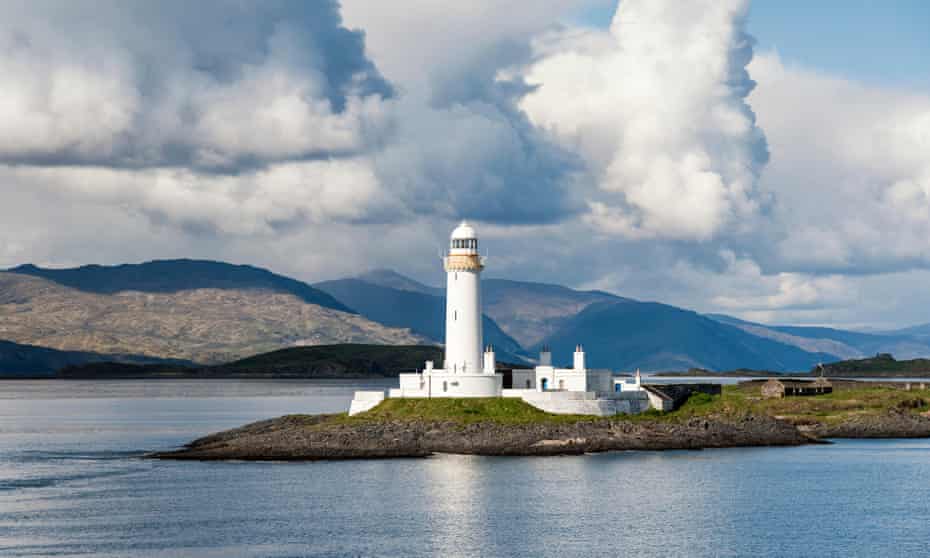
<point x="464" y="240"/>
<point x="464" y="231"/>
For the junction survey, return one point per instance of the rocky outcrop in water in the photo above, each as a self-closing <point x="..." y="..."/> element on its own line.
<point x="334" y="437"/>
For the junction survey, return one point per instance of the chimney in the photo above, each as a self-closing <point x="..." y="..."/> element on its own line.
<point x="489" y="360"/>
<point x="579" y="358"/>
<point x="545" y="357"/>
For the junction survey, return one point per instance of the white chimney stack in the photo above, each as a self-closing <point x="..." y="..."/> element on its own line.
<point x="545" y="356"/>
<point x="579" y="358"/>
<point x="489" y="360"/>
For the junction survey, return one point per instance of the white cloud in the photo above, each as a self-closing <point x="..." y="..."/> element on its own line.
<point x="260" y="202"/>
<point x="849" y="164"/>
<point x="417" y="41"/>
<point x="298" y="86"/>
<point x="746" y="289"/>
<point x="657" y="106"/>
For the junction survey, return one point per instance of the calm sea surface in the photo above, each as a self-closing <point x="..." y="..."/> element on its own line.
<point x="72" y="483"/>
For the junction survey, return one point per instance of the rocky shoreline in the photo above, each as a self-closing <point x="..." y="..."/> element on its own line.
<point x="500" y="426"/>
<point x="327" y="437"/>
<point x="894" y="424"/>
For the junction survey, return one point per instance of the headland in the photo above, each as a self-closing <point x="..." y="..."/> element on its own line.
<point x="494" y="426"/>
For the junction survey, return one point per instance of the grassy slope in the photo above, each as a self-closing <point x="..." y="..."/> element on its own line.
<point x="842" y="404"/>
<point x="499" y="410"/>
<point x="736" y="401"/>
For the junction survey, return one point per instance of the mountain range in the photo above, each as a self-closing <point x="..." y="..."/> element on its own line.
<point x="212" y="312"/>
<point x="170" y="310"/>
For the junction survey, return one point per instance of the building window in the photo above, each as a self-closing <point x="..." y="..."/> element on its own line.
<point x="455" y="315"/>
<point x="445" y="387"/>
<point x="529" y="384"/>
<point x="561" y="384"/>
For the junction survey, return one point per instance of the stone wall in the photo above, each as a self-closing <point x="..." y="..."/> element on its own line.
<point x="679" y="393"/>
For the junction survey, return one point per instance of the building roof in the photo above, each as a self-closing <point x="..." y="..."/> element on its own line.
<point x="464" y="231"/>
<point x="820" y="382"/>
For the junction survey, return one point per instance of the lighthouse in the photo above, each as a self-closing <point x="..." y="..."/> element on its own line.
<point x="463" y="267"/>
<point x="470" y="370"/>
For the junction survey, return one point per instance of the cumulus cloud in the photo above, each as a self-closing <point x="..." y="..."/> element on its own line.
<point x="250" y="118"/>
<point x="460" y="147"/>
<point x="420" y="42"/>
<point x="258" y="203"/>
<point x="748" y="290"/>
<point x="215" y="86"/>
<point x="657" y="106"/>
<point x="851" y="170"/>
<point x="478" y="159"/>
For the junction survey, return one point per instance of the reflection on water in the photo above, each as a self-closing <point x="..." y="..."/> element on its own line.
<point x="72" y="483"/>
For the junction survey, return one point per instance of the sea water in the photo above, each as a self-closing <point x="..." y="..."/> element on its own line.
<point x="73" y="483"/>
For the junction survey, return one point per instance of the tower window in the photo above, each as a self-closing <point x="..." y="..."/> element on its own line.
<point x="455" y="315"/>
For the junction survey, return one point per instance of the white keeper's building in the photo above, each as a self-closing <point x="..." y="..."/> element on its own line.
<point x="469" y="368"/>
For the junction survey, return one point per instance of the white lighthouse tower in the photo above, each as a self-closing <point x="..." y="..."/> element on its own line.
<point x="463" y="302"/>
<point x="469" y="368"/>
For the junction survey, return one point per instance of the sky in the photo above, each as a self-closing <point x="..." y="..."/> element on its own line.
<point x="765" y="160"/>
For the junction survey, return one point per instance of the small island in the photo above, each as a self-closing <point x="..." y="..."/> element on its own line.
<point x="739" y="417"/>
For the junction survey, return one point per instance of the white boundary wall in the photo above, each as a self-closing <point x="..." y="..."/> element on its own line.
<point x="365" y="401"/>
<point x="441" y="383"/>
<point x="582" y="402"/>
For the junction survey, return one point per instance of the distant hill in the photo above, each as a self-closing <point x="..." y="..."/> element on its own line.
<point x="423" y="313"/>
<point x="841" y="344"/>
<point x="205" y="325"/>
<point x="530" y="315"/>
<point x="655" y="337"/>
<point x="524" y="311"/>
<point x="392" y="279"/>
<point x="172" y="276"/>
<point x="18" y="360"/>
<point x="882" y="365"/>
<point x="921" y="331"/>
<point x="530" y="312"/>
<point x="323" y="361"/>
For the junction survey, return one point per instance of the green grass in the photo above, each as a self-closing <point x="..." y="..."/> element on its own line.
<point x="514" y="411"/>
<point x="470" y="410"/>
<point x="842" y="404"/>
<point x="735" y="401"/>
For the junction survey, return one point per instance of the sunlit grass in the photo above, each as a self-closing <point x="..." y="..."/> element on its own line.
<point x="734" y="402"/>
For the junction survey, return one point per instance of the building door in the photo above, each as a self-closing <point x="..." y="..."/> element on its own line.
<point x="545" y="384"/>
